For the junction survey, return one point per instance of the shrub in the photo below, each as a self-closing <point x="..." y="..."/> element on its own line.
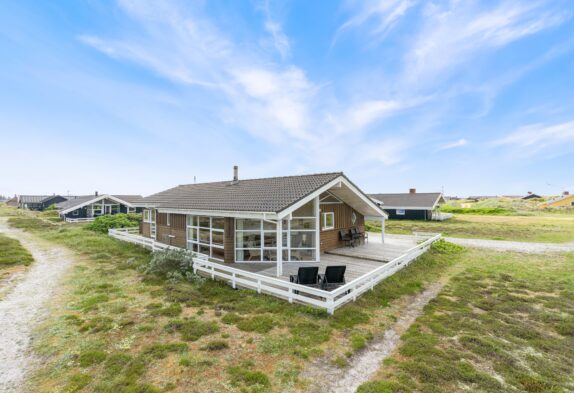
<point x="259" y="324"/>
<point x="160" y="351"/>
<point x="102" y="223"/>
<point x="484" y="211"/>
<point x="192" y="329"/>
<point x="167" y="262"/>
<point x="443" y="247"/>
<point x="89" y="358"/>
<point x="216" y="345"/>
<point x="240" y="375"/>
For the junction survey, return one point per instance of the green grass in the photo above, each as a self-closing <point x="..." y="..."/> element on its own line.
<point x="551" y="229"/>
<point x="12" y="253"/>
<point x="504" y="324"/>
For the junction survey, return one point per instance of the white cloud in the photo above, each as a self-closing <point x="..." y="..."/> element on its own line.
<point x="451" y="145"/>
<point x="278" y="39"/>
<point x="533" y="138"/>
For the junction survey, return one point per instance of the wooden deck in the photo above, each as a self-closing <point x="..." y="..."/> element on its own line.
<point x="359" y="260"/>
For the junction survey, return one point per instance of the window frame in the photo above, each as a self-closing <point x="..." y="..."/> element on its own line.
<point x="400" y="212"/>
<point x="324" y="216"/>
<point x="196" y="244"/>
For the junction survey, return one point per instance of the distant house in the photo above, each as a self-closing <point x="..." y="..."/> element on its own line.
<point x="409" y="206"/>
<point x="39" y="202"/>
<point x="565" y="200"/>
<point x="531" y="195"/>
<point x="87" y="207"/>
<point x="13" y="202"/>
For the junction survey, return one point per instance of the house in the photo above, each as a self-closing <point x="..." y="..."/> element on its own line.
<point x="565" y="200"/>
<point x="87" y="207"/>
<point x="241" y="220"/>
<point x="13" y="202"/>
<point x="531" y="195"/>
<point x="39" y="202"/>
<point x="410" y="206"/>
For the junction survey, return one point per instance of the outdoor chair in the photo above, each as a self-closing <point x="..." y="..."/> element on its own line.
<point x="308" y="276"/>
<point x="346" y="238"/>
<point x="355" y="234"/>
<point x="334" y="277"/>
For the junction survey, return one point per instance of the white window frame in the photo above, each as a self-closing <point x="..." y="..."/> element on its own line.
<point x="147" y="212"/>
<point x="195" y="244"/>
<point x="324" y="226"/>
<point x="400" y="212"/>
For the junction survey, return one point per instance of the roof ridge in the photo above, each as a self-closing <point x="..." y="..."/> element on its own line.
<point x="265" y="178"/>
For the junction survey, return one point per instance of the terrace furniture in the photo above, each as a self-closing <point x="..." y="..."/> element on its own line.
<point x="334" y="277"/>
<point x="346" y="237"/>
<point x="308" y="276"/>
<point x="355" y="234"/>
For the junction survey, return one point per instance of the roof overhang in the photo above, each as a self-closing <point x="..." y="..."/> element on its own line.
<point x="96" y="199"/>
<point x="221" y="213"/>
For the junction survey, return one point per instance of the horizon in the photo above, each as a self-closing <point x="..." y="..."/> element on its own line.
<point x="135" y="97"/>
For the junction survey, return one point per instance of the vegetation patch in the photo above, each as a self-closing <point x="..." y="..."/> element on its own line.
<point x="244" y="377"/>
<point x="102" y="223"/>
<point x="12" y="253"/>
<point x="259" y="324"/>
<point x="192" y="329"/>
<point x="90" y="358"/>
<point x="216" y="345"/>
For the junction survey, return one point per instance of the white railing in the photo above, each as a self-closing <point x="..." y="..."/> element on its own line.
<point x="329" y="300"/>
<point x="438" y="216"/>
<point x="85" y="219"/>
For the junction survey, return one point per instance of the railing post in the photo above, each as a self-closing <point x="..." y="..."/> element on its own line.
<point x="258" y="286"/>
<point x="330" y="305"/>
<point x="233" y="280"/>
<point x="212" y="273"/>
<point x="290" y="296"/>
<point x="354" y="293"/>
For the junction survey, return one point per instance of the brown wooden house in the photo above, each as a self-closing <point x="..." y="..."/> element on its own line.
<point x="242" y="220"/>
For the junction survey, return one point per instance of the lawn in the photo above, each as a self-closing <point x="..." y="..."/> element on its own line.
<point x="543" y="228"/>
<point x="505" y="324"/>
<point x="12" y="253"/>
<point x="113" y="328"/>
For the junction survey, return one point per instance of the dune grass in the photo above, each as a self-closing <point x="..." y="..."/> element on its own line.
<point x="12" y="253"/>
<point x="548" y="228"/>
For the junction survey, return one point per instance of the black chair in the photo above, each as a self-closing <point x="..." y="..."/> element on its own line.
<point x="334" y="277"/>
<point x="355" y="234"/>
<point x="308" y="276"/>
<point x="346" y="238"/>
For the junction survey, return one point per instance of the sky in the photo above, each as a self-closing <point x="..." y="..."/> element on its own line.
<point x="133" y="97"/>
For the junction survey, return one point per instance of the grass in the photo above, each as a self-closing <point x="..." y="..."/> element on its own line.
<point x="541" y="228"/>
<point x="503" y="324"/>
<point x="12" y="253"/>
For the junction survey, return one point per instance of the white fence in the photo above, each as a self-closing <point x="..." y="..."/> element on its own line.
<point x="438" y="216"/>
<point x="86" y="219"/>
<point x="329" y="300"/>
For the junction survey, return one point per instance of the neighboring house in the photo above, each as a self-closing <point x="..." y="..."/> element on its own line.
<point x="531" y="195"/>
<point x="38" y="202"/>
<point x="565" y="200"/>
<point x="12" y="201"/>
<point x="87" y="207"/>
<point x="410" y="206"/>
<point x="241" y="220"/>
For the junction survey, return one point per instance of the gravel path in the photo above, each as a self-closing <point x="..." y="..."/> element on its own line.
<point x="362" y="367"/>
<point x="504" y="245"/>
<point x="23" y="307"/>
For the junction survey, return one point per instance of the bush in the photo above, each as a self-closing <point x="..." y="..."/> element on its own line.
<point x="216" y="345"/>
<point x="171" y="261"/>
<point x="443" y="247"/>
<point x="102" y="223"/>
<point x="485" y="211"/>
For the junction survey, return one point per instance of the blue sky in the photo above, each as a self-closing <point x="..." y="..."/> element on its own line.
<point x="137" y="96"/>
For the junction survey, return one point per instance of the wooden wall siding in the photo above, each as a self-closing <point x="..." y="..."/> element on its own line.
<point x="175" y="234"/>
<point x="229" y="240"/>
<point x="145" y="229"/>
<point x="343" y="213"/>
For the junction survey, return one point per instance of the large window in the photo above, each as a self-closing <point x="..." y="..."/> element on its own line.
<point x="205" y="235"/>
<point x="256" y="240"/>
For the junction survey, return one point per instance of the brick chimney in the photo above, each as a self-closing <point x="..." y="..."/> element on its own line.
<point x="235" y="175"/>
<point x="96" y="193"/>
<point x="412" y="190"/>
<point x="529" y="192"/>
<point x="565" y="193"/>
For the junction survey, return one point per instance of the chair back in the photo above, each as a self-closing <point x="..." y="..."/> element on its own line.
<point x="343" y="234"/>
<point x="354" y="231"/>
<point x="335" y="274"/>
<point x="308" y="275"/>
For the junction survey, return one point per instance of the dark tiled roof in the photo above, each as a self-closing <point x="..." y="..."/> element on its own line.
<point x="79" y="200"/>
<point x="425" y="200"/>
<point x="34" y="198"/>
<point x="272" y="194"/>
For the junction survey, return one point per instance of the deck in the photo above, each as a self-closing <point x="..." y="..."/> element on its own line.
<point x="359" y="260"/>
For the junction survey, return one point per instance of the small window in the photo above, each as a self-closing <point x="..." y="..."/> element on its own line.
<point x="146" y="215"/>
<point x="400" y="212"/>
<point x="353" y="218"/>
<point x="75" y="212"/>
<point x="328" y="221"/>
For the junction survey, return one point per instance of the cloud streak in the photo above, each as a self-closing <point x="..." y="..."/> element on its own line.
<point x="534" y="138"/>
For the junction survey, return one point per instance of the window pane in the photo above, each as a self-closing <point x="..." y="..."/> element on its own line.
<point x="204" y="249"/>
<point x="204" y="235"/>
<point x="328" y="220"/>
<point x="305" y="211"/>
<point x="204" y="221"/>
<point x="217" y="222"/>
<point x="269" y="226"/>
<point x="245" y="224"/>
<point x="217" y="253"/>
<point x="285" y="239"/>
<point x="302" y="255"/>
<point x="192" y="234"/>
<point x="270" y="239"/>
<point x="302" y="239"/>
<point x="248" y="239"/>
<point x="217" y="237"/>
<point x="269" y="255"/>
<point x="303" y="223"/>
<point x="248" y="255"/>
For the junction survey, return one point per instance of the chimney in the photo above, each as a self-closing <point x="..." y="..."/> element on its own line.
<point x="565" y="193"/>
<point x="412" y="190"/>
<point x="96" y="193"/>
<point x="235" y="175"/>
<point x="529" y="192"/>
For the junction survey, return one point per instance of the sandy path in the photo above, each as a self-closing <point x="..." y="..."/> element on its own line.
<point x="362" y="367"/>
<point x="23" y="307"/>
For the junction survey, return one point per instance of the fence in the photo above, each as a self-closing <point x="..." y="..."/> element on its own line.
<point x="329" y="300"/>
<point x="86" y="219"/>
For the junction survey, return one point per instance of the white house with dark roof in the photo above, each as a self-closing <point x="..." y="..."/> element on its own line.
<point x="88" y="207"/>
<point x="242" y="220"/>
<point x="410" y="206"/>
